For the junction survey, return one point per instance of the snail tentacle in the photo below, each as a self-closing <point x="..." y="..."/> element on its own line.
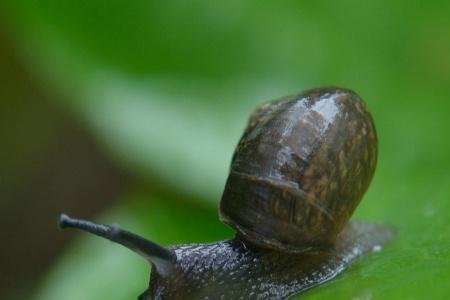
<point x="161" y="257"/>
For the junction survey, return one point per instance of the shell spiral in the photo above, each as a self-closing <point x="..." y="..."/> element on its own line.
<point x="300" y="169"/>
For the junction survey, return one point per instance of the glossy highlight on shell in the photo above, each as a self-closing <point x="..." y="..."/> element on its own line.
<point x="300" y="169"/>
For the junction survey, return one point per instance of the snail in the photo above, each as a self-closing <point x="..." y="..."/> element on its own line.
<point x="298" y="172"/>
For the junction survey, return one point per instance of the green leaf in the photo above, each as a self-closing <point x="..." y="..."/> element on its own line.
<point x="166" y="86"/>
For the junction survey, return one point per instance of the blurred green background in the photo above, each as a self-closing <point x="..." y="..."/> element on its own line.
<point x="128" y="112"/>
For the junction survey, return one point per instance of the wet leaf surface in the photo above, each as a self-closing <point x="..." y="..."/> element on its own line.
<point x="167" y="87"/>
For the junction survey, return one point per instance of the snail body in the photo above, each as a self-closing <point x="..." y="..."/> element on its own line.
<point x="299" y="171"/>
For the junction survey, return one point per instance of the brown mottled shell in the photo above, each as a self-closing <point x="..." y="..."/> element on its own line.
<point x="300" y="169"/>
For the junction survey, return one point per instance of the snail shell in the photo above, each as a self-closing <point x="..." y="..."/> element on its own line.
<point x="300" y="169"/>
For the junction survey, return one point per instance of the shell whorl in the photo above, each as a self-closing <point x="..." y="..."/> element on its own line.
<point x="300" y="169"/>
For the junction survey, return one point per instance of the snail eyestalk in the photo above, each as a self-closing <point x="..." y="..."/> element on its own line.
<point x="162" y="258"/>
